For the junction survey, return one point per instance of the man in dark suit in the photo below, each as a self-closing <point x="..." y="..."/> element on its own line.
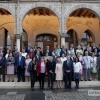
<point x="55" y="57"/>
<point x="20" y="65"/>
<point x="39" y="49"/>
<point x="15" y="52"/>
<point x="2" y="66"/>
<point x="94" y="47"/>
<point x="28" y="48"/>
<point x="51" y="71"/>
<point x="64" y="51"/>
<point x="68" y="67"/>
<point x="98" y="65"/>
<point x="47" y="50"/>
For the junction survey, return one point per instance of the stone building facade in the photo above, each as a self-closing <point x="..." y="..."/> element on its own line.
<point x="51" y="22"/>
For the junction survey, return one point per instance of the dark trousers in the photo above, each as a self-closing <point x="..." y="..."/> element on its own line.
<point x="21" y="74"/>
<point x="41" y="79"/>
<point x="2" y="71"/>
<point x="33" y="78"/>
<point x="68" y="78"/>
<point x="77" y="82"/>
<point x="99" y="73"/>
<point x="50" y="79"/>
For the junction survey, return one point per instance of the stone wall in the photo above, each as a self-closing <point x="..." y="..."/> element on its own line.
<point x="61" y="10"/>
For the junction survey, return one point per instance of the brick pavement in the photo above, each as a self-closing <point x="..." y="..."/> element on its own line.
<point x="69" y="96"/>
<point x="12" y="97"/>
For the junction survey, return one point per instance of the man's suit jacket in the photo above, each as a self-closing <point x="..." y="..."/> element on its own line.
<point x="98" y="61"/>
<point x="65" y="52"/>
<point x="3" y="62"/>
<point x="51" y="66"/>
<point x="41" y="54"/>
<point x="49" y="53"/>
<point x="28" y="49"/>
<point x="37" y="59"/>
<point x="93" y="48"/>
<point x="87" y="61"/>
<point x="55" y="59"/>
<point x="66" y="67"/>
<point x="22" y="62"/>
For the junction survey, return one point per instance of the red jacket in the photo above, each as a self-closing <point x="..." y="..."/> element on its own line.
<point x="39" y="67"/>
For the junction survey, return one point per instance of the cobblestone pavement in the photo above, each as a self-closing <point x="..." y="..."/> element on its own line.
<point x="12" y="97"/>
<point x="70" y="96"/>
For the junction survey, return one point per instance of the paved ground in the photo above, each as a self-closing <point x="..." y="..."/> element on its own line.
<point x="62" y="94"/>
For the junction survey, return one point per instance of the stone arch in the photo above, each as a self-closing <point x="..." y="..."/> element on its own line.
<point x="8" y="29"/>
<point x="32" y="36"/>
<point x="37" y="5"/>
<point x="91" y="33"/>
<point x="11" y="10"/>
<point x="94" y="9"/>
<point x="81" y="31"/>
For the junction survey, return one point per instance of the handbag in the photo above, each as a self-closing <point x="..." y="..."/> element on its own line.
<point x="94" y="70"/>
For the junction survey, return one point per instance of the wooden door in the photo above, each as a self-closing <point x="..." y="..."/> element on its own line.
<point x="48" y="43"/>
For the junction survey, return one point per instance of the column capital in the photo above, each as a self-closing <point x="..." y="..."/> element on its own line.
<point x="63" y="35"/>
<point x="12" y="38"/>
<point x="18" y="36"/>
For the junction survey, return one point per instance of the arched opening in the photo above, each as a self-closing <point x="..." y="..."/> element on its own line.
<point x="71" y="38"/>
<point x="87" y="38"/>
<point x="82" y="19"/>
<point x="44" y="40"/>
<point x="5" y="38"/>
<point x="6" y="29"/>
<point x="41" y="20"/>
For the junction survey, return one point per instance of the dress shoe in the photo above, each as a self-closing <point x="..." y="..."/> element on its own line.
<point x="89" y="80"/>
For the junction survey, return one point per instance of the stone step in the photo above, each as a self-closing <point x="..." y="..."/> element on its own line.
<point x="14" y="85"/>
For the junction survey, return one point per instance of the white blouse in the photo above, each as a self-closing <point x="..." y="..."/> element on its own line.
<point x="63" y="59"/>
<point x="24" y="54"/>
<point x="42" y="67"/>
<point x="77" y="67"/>
<point x="93" y="62"/>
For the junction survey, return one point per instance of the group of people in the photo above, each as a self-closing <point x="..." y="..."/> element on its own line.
<point x="60" y="64"/>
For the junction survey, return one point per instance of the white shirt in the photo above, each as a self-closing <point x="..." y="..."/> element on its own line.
<point x="42" y="67"/>
<point x="6" y="56"/>
<point x="24" y="54"/>
<point x="63" y="59"/>
<point x="77" y="67"/>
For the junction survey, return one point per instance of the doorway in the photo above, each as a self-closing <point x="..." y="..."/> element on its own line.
<point x="44" y="40"/>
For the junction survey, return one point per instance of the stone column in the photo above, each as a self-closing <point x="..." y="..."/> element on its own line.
<point x="18" y="39"/>
<point x="79" y="41"/>
<point x="12" y="43"/>
<point x="62" y="40"/>
<point x="74" y="39"/>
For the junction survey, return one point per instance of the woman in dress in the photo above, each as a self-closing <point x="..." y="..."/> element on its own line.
<point x="10" y="67"/>
<point x="82" y="63"/>
<point x="32" y="71"/>
<point x="93" y="66"/>
<point x="77" y="70"/>
<point x="27" y="61"/>
<point x="63" y="58"/>
<point x="41" y="71"/>
<point x="59" y="73"/>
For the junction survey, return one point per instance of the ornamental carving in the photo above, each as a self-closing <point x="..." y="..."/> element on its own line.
<point x="71" y="22"/>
